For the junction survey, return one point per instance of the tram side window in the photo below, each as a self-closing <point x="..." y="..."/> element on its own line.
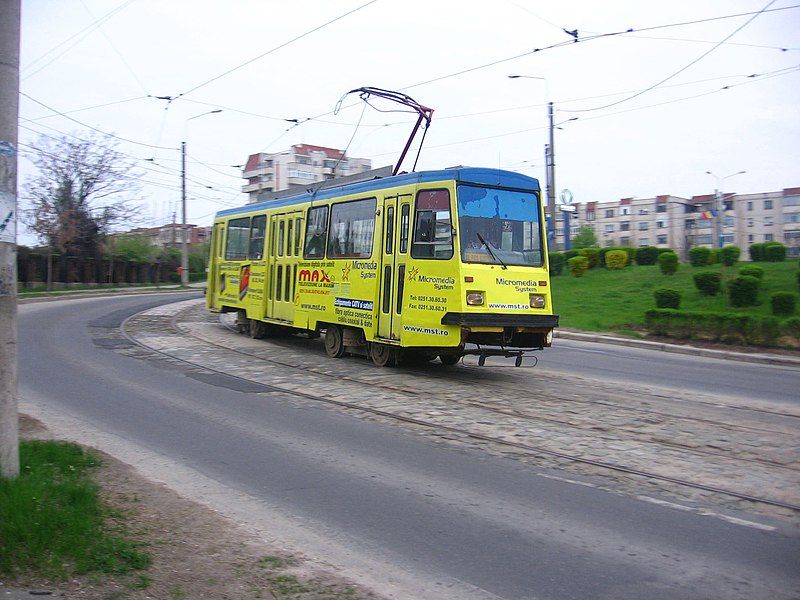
<point x="316" y="229"/>
<point x="237" y="239"/>
<point x="433" y="228"/>
<point x="352" y="229"/>
<point x="404" y="212"/>
<point x="258" y="230"/>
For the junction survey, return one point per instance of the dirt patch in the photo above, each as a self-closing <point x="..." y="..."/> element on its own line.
<point x="196" y="552"/>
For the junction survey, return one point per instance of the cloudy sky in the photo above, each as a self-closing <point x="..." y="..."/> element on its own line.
<point x="696" y="86"/>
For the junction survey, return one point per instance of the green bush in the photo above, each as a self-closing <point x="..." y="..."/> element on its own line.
<point x="783" y="303"/>
<point x="757" y="251"/>
<point x="616" y="259"/>
<point x="729" y="255"/>
<point x="752" y="271"/>
<point x="743" y="291"/>
<point x="775" y="252"/>
<point x="572" y="253"/>
<point x="791" y="327"/>
<point x="601" y="255"/>
<point x="592" y="254"/>
<point x="578" y="265"/>
<point x="663" y="250"/>
<point x="631" y="253"/>
<point x="668" y="263"/>
<point x="667" y="298"/>
<point x="557" y="262"/>
<point x="646" y="255"/>
<point x="708" y="283"/>
<point x="700" y="256"/>
<point x="719" y="327"/>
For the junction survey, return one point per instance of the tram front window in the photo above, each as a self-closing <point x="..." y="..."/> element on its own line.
<point x="507" y="221"/>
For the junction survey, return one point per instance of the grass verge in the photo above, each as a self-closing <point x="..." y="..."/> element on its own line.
<point x="52" y="523"/>
<point x="616" y="301"/>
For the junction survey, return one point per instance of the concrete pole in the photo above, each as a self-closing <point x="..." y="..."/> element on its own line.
<point x="184" y="228"/>
<point x="718" y="215"/>
<point x="551" y="179"/>
<point x="9" y="115"/>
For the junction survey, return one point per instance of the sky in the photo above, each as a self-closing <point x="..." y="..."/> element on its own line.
<point x="640" y="113"/>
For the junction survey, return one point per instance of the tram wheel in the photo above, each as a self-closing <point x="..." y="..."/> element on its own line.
<point x="258" y="329"/>
<point x="449" y="359"/>
<point x="334" y="341"/>
<point x="382" y="355"/>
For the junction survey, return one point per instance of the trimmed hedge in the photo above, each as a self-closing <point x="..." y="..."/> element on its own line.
<point x="616" y="260"/>
<point x="775" y="252"/>
<point x="578" y="265"/>
<point x="668" y="263"/>
<point x="729" y="255"/>
<point x="783" y="303"/>
<point x="752" y="271"/>
<point x="708" y="283"/>
<point x="700" y="256"/>
<point x="667" y="298"/>
<point x="592" y="254"/>
<point x="743" y="291"/>
<point x="723" y="327"/>
<point x="557" y="262"/>
<point x="646" y="255"/>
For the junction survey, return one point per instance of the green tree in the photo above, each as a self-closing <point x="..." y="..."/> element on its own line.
<point x="134" y="247"/>
<point x="585" y="238"/>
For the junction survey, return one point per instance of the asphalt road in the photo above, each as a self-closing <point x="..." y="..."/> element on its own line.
<point x="739" y="379"/>
<point x="429" y="520"/>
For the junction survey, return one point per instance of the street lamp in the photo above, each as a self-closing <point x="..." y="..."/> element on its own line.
<point x="184" y="228"/>
<point x="550" y="159"/>
<point x="719" y="205"/>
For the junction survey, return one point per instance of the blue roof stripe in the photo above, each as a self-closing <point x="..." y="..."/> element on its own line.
<point x="492" y="177"/>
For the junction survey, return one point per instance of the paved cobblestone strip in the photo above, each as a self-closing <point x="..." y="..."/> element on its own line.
<point x="752" y="453"/>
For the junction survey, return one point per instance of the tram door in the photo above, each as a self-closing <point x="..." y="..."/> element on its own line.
<point x="285" y="231"/>
<point x="394" y="255"/>
<point x="217" y="255"/>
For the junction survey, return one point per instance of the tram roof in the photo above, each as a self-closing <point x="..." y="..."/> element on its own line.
<point x="480" y="176"/>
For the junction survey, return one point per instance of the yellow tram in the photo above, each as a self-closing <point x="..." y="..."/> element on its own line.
<point x="408" y="267"/>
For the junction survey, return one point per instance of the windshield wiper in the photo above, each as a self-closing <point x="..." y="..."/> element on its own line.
<point x="489" y="248"/>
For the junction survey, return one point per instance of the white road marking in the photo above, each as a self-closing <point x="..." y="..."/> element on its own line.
<point x="707" y="513"/>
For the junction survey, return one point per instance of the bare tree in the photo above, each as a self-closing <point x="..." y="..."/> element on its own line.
<point x="83" y="188"/>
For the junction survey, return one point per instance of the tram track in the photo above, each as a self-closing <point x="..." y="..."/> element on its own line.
<point x="459" y="431"/>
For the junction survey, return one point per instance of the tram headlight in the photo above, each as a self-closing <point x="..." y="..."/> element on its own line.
<point x="475" y="298"/>
<point x="537" y="301"/>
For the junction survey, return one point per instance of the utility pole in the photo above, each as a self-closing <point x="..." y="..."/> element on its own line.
<point x="719" y="211"/>
<point x="9" y="116"/>
<point x="184" y="244"/>
<point x="551" y="178"/>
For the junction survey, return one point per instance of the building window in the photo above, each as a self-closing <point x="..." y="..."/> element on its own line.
<point x="609" y="228"/>
<point x="643" y="211"/>
<point x="625" y="241"/>
<point x="768" y="237"/>
<point x="590" y="215"/>
<point x="726" y="238"/>
<point x="610" y="213"/>
<point x="750" y="238"/>
<point x="689" y="223"/>
<point x="644" y="226"/>
<point x="791" y="235"/>
<point x="661" y="207"/>
<point x="768" y="221"/>
<point x="749" y="222"/>
<point x="749" y="206"/>
<point x="624" y="211"/>
<point x="727" y="221"/>
<point x="644" y="241"/>
<point x="661" y="239"/>
<point x="767" y="204"/>
<point x="351" y="229"/>
<point x="791" y="201"/>
<point x="660" y="224"/>
<point x="703" y="239"/>
<point x="625" y="226"/>
<point x="728" y="204"/>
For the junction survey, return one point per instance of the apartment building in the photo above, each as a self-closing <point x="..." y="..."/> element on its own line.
<point x="297" y="167"/>
<point x="682" y="223"/>
<point x="171" y="234"/>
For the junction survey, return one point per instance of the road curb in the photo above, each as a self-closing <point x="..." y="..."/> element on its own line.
<point x="756" y="357"/>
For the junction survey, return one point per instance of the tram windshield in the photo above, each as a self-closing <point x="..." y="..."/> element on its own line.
<point x="499" y="227"/>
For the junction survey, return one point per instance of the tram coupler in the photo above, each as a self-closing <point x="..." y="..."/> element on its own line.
<point x="484" y="353"/>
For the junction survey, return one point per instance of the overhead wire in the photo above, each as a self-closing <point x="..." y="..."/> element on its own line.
<point x="682" y="69"/>
<point x="275" y="49"/>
